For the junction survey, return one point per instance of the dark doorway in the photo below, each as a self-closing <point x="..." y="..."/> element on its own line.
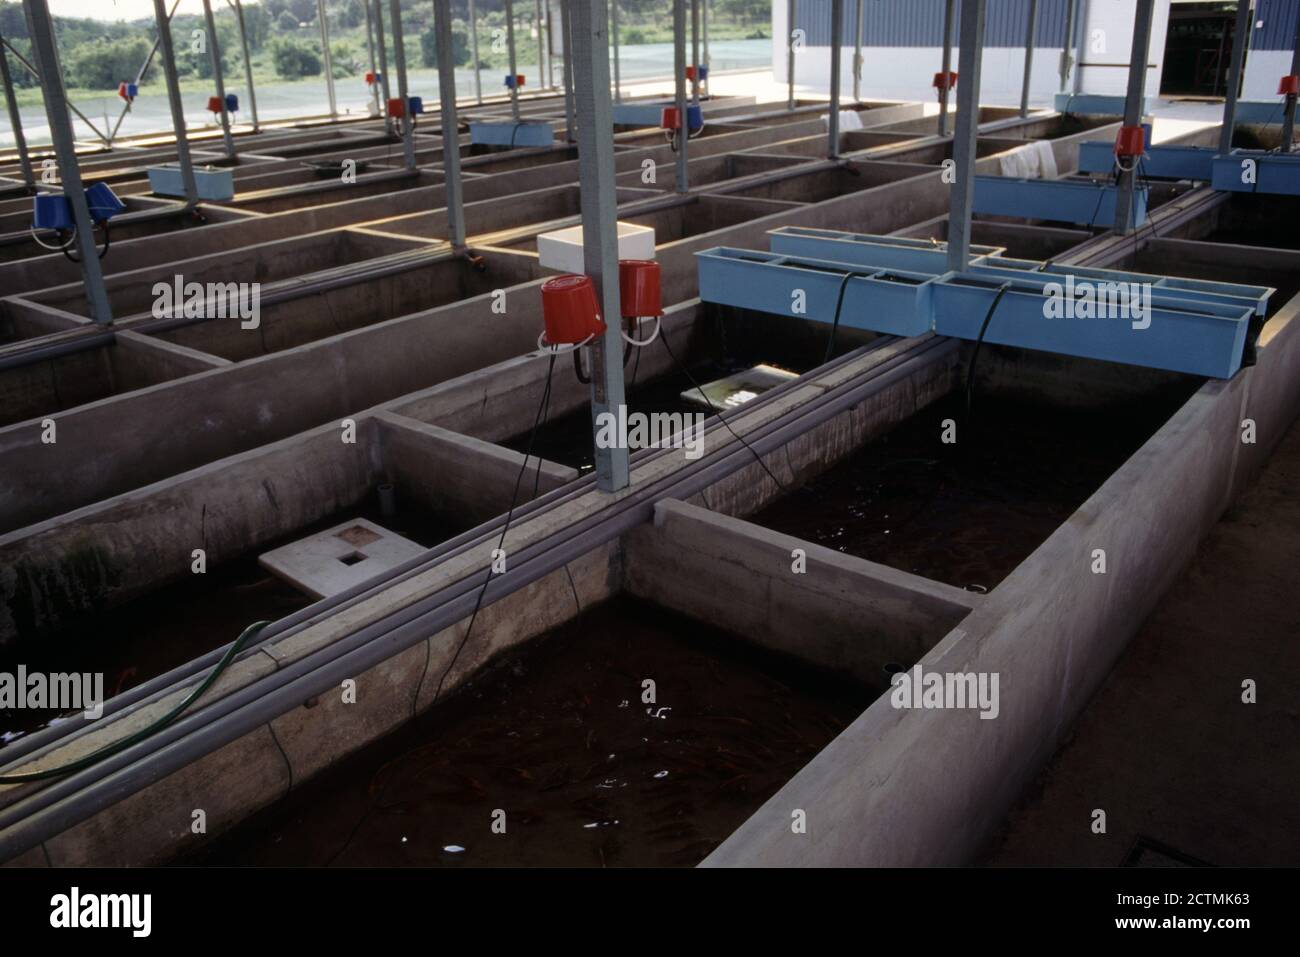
<point x="1198" y="49"/>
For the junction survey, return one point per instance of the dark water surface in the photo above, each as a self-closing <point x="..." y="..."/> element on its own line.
<point x="966" y="513"/>
<point x="557" y="736"/>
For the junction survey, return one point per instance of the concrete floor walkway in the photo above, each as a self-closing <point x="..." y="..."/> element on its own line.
<point x="1167" y="748"/>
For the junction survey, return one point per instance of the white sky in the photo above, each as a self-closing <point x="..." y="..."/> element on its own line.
<point x="126" y="9"/>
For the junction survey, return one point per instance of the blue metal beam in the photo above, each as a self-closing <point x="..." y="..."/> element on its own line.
<point x="1094" y="104"/>
<point x="1257" y="171"/>
<point x="1055" y="200"/>
<point x="528" y="133"/>
<point x="1158" y="162"/>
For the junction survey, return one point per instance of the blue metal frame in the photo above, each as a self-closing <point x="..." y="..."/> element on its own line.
<point x="1095" y="104"/>
<point x="901" y="287"/>
<point x="1158" y="162"/>
<point x="1260" y="112"/>
<point x="1055" y="200"/>
<point x="525" y="133"/>
<point x="863" y="249"/>
<point x="1275" y="173"/>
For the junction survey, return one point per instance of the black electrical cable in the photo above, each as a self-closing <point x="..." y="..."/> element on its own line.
<point x="835" y="323"/>
<point x="663" y="336"/>
<point x="45" y="774"/>
<point x="979" y="341"/>
<point x="514" y="498"/>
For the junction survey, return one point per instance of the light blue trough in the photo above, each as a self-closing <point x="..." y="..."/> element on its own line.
<point x="902" y="287"/>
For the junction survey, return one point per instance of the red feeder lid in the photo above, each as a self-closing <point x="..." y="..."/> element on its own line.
<point x="1131" y="141"/>
<point x="670" y="118"/>
<point x="690" y="73"/>
<point x="396" y="107"/>
<point x="570" y="310"/>
<point x="639" y="291"/>
<point x="121" y="91"/>
<point x="370" y="78"/>
<point x="519" y="79"/>
<point x="1289" y="85"/>
<point x="215" y="104"/>
<point x="945" y="81"/>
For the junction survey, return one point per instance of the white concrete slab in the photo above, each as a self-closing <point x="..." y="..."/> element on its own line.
<point x="334" y="560"/>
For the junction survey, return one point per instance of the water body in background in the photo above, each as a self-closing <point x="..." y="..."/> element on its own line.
<point x="286" y="99"/>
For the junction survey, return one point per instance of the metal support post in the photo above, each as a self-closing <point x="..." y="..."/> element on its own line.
<point x="1137" y="81"/>
<point x="599" y="201"/>
<point x="41" y="30"/>
<point x="963" y="147"/>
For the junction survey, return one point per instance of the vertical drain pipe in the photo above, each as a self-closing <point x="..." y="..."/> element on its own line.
<point x="383" y="62"/>
<point x="695" y="51"/>
<point x="327" y="57"/>
<point x="473" y="51"/>
<point x="16" y="119"/>
<point x="857" y="55"/>
<point x="168" y="51"/>
<point x="704" y="16"/>
<point x="399" y="61"/>
<point x="370" y="54"/>
<point x="683" y="184"/>
<point x="566" y="41"/>
<point x="1288" y="118"/>
<point x="971" y="55"/>
<point x="947" y="66"/>
<point x="447" y="115"/>
<point x="1030" y="29"/>
<point x="613" y="39"/>
<point x="541" y="45"/>
<point x="1067" y="44"/>
<point x="590" y="30"/>
<point x="1137" y="82"/>
<point x="248" y="63"/>
<point x="792" y="10"/>
<point x="510" y="52"/>
<point x="1239" y="39"/>
<point x="833" y="117"/>
<point x="214" y="50"/>
<point x="41" y="30"/>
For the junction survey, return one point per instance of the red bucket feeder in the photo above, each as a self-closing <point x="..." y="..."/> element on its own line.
<point x="639" y="291"/>
<point x="396" y="107"/>
<point x="570" y="310"/>
<point x="215" y="104"/>
<point x="945" y="81"/>
<point x="1130" y="142"/>
<point x="1289" y="85"/>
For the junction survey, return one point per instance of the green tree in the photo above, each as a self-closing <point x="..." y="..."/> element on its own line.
<point x="287" y="22"/>
<point x="459" y="46"/>
<point x="103" y="64"/>
<point x="294" y="59"/>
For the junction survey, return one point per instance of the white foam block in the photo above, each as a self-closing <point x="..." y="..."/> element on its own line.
<point x="562" y="249"/>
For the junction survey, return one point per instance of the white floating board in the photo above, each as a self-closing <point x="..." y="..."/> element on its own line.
<point x="735" y="390"/>
<point x="334" y="560"/>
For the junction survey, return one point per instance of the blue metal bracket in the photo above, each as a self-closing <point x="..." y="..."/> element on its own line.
<point x="525" y="133"/>
<point x="1158" y="162"/>
<point x="1259" y="112"/>
<point x="1184" y="325"/>
<point x="1055" y="200"/>
<point x="1094" y="103"/>
<point x="862" y="249"/>
<point x="1256" y="171"/>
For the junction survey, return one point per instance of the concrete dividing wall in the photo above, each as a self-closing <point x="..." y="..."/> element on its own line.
<point x="883" y="794"/>
<point x="194" y="420"/>
<point x="844" y="613"/>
